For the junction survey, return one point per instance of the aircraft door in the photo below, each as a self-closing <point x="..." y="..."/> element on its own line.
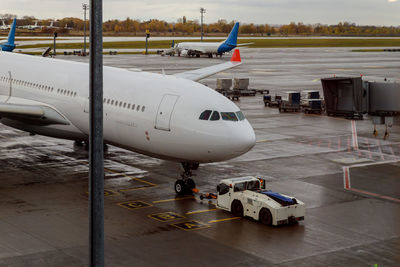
<point x="164" y="112"/>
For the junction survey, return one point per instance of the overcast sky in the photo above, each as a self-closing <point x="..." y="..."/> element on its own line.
<point x="364" y="12"/>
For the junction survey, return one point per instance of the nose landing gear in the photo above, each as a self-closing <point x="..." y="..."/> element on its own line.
<point x="186" y="184"/>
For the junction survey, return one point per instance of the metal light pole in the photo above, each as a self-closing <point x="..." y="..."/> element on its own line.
<point x="147" y="38"/>
<point x="96" y="142"/>
<point x="202" y="11"/>
<point x="85" y="8"/>
<point x="54" y="46"/>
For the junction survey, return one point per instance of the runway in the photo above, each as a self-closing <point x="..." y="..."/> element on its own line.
<point x="352" y="193"/>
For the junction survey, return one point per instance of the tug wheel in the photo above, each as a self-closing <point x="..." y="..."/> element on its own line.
<point x="237" y="208"/>
<point x="265" y="216"/>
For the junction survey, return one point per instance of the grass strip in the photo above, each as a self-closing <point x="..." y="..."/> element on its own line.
<point x="256" y="43"/>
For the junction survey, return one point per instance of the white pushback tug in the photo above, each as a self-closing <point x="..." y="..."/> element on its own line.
<point x="246" y="196"/>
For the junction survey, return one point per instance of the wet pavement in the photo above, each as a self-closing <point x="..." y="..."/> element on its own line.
<point x="352" y="195"/>
<point x="276" y="69"/>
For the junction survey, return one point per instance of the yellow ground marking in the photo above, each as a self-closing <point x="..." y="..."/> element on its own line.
<point x="199" y="211"/>
<point x="133" y="188"/>
<point x="173" y="199"/>
<point x="262" y="141"/>
<point x="190" y="225"/>
<point x="223" y="220"/>
<point x="131" y="205"/>
<point x="166" y="216"/>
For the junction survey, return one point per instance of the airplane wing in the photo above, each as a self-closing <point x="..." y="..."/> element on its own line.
<point x="36" y="115"/>
<point x="196" y="75"/>
<point x="244" y="44"/>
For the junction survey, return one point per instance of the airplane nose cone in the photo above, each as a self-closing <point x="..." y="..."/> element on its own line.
<point x="244" y="139"/>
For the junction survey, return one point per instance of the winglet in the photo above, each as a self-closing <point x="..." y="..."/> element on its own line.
<point x="236" y="56"/>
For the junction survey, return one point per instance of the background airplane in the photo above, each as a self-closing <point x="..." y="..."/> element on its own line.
<point x="163" y="116"/>
<point x="208" y="48"/>
<point x="31" y="27"/>
<point x="51" y="26"/>
<point x="10" y="44"/>
<point x="4" y="26"/>
<point x="67" y="27"/>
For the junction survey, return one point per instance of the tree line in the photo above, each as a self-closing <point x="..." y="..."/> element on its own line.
<point x="191" y="27"/>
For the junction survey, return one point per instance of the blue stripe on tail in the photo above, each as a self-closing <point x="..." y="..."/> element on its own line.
<point x="11" y="35"/>
<point x="231" y="41"/>
<point x="10" y="45"/>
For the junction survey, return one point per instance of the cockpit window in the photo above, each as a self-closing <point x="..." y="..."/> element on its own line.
<point x="215" y="116"/>
<point x="229" y="116"/>
<point x="205" y="115"/>
<point x="240" y="115"/>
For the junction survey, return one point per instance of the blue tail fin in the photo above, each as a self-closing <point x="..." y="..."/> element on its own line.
<point x="232" y="38"/>
<point x="10" y="45"/>
<point x="11" y="35"/>
<point x="173" y="43"/>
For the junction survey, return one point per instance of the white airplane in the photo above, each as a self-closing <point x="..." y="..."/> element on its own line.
<point x="170" y="117"/>
<point x="51" y="26"/>
<point x="208" y="48"/>
<point x="68" y="28"/>
<point x="31" y="27"/>
<point x="4" y="26"/>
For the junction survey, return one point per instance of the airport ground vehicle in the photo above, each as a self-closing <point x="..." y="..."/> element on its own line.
<point x="246" y="196"/>
<point x="268" y="102"/>
<point x="312" y="106"/>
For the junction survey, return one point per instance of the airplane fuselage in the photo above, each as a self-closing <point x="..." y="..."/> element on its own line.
<point x="153" y="114"/>
<point x="205" y="47"/>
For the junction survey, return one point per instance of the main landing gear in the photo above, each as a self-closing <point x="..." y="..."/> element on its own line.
<point x="186" y="184"/>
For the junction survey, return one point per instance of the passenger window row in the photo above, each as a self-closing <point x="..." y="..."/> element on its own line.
<point x="38" y="86"/>
<point x="66" y="92"/>
<point x="226" y="116"/>
<point x="122" y="104"/>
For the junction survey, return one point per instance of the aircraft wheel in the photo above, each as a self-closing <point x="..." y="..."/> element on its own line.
<point x="189" y="185"/>
<point x="237" y="208"/>
<point x="265" y="216"/>
<point x="180" y="187"/>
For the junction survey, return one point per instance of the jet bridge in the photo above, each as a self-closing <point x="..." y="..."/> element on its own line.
<point x="351" y="97"/>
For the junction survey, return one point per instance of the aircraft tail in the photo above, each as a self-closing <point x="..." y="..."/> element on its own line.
<point x="173" y="44"/>
<point x="232" y="38"/>
<point x="11" y="35"/>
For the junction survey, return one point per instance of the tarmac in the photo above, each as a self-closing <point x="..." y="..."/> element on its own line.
<point x="350" y="184"/>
